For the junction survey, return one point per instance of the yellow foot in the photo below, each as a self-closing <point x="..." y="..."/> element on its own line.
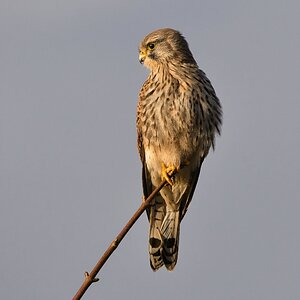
<point x="167" y="172"/>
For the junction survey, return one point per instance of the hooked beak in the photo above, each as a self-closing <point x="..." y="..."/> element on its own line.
<point x="142" y="56"/>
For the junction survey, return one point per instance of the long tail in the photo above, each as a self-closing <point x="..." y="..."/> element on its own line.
<point x="164" y="237"/>
<point x="170" y="235"/>
<point x="156" y="216"/>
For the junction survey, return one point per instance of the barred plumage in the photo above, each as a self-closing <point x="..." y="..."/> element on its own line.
<point x="178" y="116"/>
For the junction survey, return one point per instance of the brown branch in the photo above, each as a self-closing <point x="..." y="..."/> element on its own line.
<point x="91" y="277"/>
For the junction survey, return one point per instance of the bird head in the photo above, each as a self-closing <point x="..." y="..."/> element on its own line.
<point x="164" y="46"/>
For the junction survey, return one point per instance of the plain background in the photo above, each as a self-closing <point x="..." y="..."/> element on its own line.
<point x="70" y="172"/>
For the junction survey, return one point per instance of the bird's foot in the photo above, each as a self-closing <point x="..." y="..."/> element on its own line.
<point x="167" y="172"/>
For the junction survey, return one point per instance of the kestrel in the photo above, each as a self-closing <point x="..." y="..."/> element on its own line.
<point x="178" y="116"/>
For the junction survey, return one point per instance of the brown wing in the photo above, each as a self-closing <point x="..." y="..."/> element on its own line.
<point x="188" y="195"/>
<point x="210" y="123"/>
<point x="146" y="179"/>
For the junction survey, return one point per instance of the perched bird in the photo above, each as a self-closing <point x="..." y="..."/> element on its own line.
<point x="178" y="116"/>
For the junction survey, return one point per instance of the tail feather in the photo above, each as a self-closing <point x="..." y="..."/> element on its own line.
<point x="163" y="237"/>
<point x="156" y="217"/>
<point x="170" y="235"/>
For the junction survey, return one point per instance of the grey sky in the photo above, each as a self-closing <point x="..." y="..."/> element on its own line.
<point x="70" y="173"/>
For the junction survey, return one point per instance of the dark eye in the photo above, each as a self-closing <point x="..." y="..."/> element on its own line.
<point x="151" y="46"/>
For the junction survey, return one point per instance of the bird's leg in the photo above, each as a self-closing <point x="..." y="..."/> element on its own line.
<point x="167" y="172"/>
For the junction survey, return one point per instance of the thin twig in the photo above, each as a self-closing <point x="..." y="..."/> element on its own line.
<point x="91" y="277"/>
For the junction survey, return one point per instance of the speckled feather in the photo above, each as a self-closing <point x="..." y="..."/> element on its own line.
<point x="178" y="116"/>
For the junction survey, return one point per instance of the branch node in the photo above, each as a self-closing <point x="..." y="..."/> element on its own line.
<point x="88" y="277"/>
<point x="115" y="243"/>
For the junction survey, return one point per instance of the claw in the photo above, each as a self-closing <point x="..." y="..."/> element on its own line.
<point x="167" y="172"/>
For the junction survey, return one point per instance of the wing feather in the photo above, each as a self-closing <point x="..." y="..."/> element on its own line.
<point x="188" y="195"/>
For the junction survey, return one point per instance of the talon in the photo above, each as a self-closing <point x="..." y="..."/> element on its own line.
<point x="167" y="172"/>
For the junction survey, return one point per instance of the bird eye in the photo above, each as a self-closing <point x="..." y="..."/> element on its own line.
<point x="151" y="46"/>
